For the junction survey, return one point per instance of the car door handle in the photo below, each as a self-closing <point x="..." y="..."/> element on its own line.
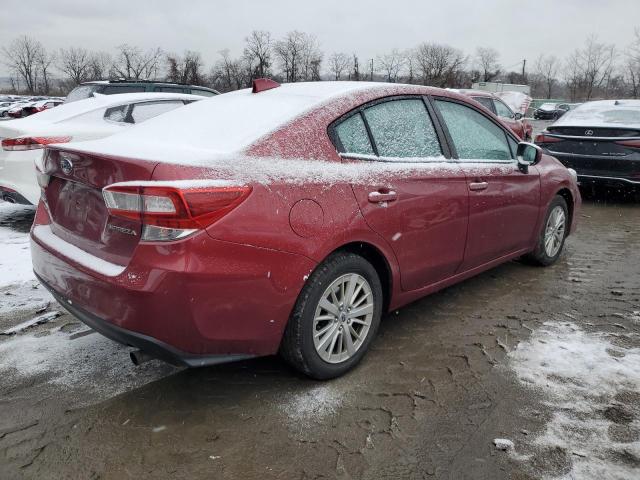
<point x="381" y="197"/>
<point x="477" y="186"/>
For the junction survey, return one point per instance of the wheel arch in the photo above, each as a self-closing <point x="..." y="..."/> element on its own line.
<point x="568" y="197"/>
<point x="373" y="255"/>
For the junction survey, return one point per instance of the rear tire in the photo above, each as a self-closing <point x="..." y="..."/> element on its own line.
<point x="554" y="232"/>
<point x="335" y="318"/>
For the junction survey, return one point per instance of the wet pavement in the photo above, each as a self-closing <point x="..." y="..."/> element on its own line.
<point x="446" y="377"/>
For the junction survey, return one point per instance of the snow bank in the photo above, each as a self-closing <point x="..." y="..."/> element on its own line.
<point x="15" y="258"/>
<point x="581" y="375"/>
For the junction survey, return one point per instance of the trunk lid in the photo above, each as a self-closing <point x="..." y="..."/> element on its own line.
<point x="76" y="206"/>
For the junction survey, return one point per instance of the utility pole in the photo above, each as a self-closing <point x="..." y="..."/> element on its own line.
<point x="524" y="64"/>
<point x="371" y="70"/>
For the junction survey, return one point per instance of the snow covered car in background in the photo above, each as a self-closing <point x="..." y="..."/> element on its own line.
<point x="4" y="111"/>
<point x="289" y="218"/>
<point x="496" y="105"/>
<point x="40" y="106"/>
<point x="22" y="140"/>
<point x="600" y="141"/>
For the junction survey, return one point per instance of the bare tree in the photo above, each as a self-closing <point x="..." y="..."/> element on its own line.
<point x="185" y="69"/>
<point x="299" y="56"/>
<point x="355" y="74"/>
<point x="75" y="63"/>
<point x="632" y="65"/>
<point x="22" y="57"/>
<point x="135" y="64"/>
<point x="338" y="63"/>
<point x="391" y="64"/>
<point x="44" y="62"/>
<point x="487" y="59"/>
<point x="100" y="66"/>
<point x="596" y="61"/>
<point x="546" y="68"/>
<point x="437" y="64"/>
<point x="258" y="51"/>
<point x="573" y="75"/>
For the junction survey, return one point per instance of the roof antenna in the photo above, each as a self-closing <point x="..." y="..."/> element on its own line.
<point x="262" y="84"/>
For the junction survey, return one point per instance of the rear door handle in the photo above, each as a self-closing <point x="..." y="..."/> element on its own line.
<point x="477" y="186"/>
<point x="380" y="197"/>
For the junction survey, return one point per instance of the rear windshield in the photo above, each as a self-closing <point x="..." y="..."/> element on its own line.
<point x="81" y="92"/>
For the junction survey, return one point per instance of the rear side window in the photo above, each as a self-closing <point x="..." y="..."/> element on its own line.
<point x="354" y="137"/>
<point x="81" y="92"/>
<point x="202" y="93"/>
<point x="115" y="89"/>
<point x="502" y="110"/>
<point x="144" y="111"/>
<point x="474" y="135"/>
<point x="403" y="128"/>
<point x="485" y="102"/>
<point x="170" y="89"/>
<point x="117" y="114"/>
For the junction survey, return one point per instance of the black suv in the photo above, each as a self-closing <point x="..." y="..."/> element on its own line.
<point x="110" y="87"/>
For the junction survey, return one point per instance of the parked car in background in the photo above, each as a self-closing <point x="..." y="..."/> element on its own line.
<point x="551" y="111"/>
<point x="4" y="111"/>
<point x="17" y="111"/>
<point x="22" y="140"/>
<point x="600" y="140"/>
<point x="289" y="219"/>
<point x="40" y="106"/>
<point x="111" y="87"/>
<point x="497" y="106"/>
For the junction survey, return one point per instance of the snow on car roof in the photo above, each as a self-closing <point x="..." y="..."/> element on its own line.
<point x="603" y="113"/>
<point x="222" y="124"/>
<point x="70" y="110"/>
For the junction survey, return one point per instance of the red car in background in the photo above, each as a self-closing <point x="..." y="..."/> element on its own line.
<point x="289" y="219"/>
<point x="496" y="105"/>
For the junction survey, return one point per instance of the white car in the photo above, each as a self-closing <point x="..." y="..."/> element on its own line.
<point x="4" y="110"/>
<point x="22" y="140"/>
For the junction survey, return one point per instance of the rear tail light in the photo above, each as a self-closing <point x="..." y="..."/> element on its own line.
<point x="31" y="143"/>
<point x="542" y="138"/>
<point x="169" y="212"/>
<point x="629" y="143"/>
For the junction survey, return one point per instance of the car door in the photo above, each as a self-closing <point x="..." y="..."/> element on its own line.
<point x="504" y="201"/>
<point x="414" y="197"/>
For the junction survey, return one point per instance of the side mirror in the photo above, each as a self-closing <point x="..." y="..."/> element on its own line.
<point x="528" y="154"/>
<point x="519" y="116"/>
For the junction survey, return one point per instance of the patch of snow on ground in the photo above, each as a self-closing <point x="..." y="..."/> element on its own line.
<point x="312" y="405"/>
<point x="92" y="365"/>
<point x="584" y="377"/>
<point x="15" y="259"/>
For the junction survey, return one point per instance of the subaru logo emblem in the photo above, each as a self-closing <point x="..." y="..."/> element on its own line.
<point x="66" y="166"/>
<point x="589" y="132"/>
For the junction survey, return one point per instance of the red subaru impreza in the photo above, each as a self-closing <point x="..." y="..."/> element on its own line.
<point x="289" y="219"/>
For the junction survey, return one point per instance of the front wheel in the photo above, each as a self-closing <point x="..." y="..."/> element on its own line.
<point x="552" y="237"/>
<point x="335" y="317"/>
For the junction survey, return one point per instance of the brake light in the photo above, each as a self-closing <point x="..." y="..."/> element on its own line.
<point x="629" y="143"/>
<point x="31" y="143"/>
<point x="542" y="138"/>
<point x="169" y="212"/>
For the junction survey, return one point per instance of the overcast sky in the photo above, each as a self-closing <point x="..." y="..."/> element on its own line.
<point x="518" y="29"/>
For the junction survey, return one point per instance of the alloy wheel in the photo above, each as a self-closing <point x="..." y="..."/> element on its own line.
<point x="554" y="231"/>
<point x="343" y="318"/>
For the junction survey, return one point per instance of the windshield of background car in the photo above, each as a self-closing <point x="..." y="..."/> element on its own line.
<point x="81" y="92"/>
<point x="548" y="106"/>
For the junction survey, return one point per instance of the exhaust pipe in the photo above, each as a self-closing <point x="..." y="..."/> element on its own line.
<point x="138" y="357"/>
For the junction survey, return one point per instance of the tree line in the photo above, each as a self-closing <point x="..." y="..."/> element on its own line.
<point x="594" y="70"/>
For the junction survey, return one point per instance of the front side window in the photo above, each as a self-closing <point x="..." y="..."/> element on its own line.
<point x="202" y="93"/>
<point x="474" y="136"/>
<point x="144" y="111"/>
<point x="502" y="110"/>
<point x="403" y="129"/>
<point x="354" y="137"/>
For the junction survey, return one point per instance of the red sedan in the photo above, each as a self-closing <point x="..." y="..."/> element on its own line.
<point x="290" y="219"/>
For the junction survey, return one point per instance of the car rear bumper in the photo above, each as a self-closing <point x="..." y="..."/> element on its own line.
<point x="604" y="180"/>
<point x="149" y="345"/>
<point x="194" y="302"/>
<point x="593" y="169"/>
